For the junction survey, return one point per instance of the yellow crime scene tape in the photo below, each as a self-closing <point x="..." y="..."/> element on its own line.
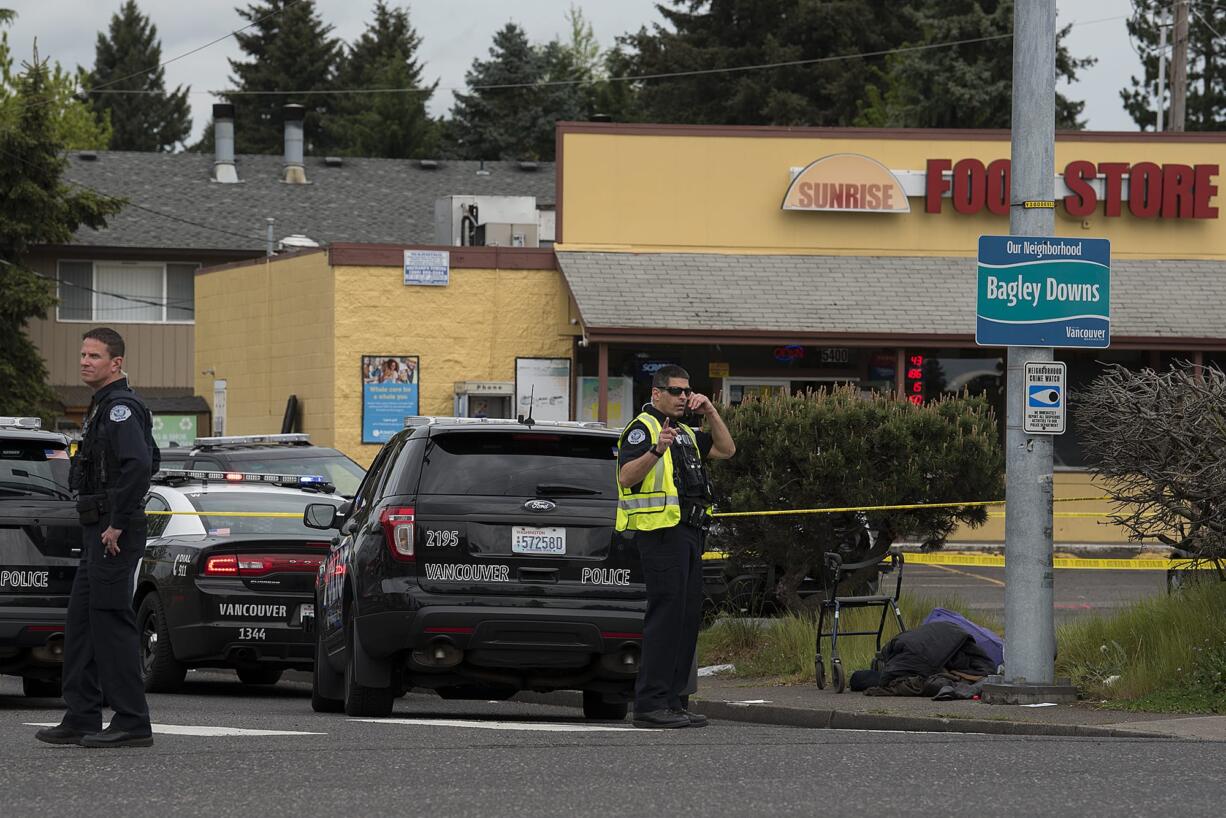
<point x="959" y="559"/>
<point x="297" y="515"/>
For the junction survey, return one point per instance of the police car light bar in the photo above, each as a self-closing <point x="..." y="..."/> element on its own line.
<point x="21" y="423"/>
<point x="167" y="475"/>
<point x="233" y="440"/>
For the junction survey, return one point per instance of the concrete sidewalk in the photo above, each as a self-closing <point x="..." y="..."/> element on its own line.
<point x="804" y="705"/>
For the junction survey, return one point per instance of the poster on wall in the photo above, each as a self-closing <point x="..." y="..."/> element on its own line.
<point x="620" y="405"/>
<point x="543" y="385"/>
<point x="389" y="394"/>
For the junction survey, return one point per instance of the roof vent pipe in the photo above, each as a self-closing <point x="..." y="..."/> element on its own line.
<point x="294" y="172"/>
<point x="223" y="144"/>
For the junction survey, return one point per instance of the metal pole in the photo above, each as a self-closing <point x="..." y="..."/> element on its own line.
<point x="1030" y="641"/>
<point x="1179" y="67"/>
<point x="268" y="239"/>
<point x="1160" y="106"/>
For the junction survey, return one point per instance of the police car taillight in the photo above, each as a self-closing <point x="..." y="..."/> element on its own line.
<point x="254" y="565"/>
<point x="221" y="566"/>
<point x="397" y="522"/>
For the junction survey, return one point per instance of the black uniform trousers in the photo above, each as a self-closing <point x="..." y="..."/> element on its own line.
<point x="672" y="570"/>
<point x="101" y="643"/>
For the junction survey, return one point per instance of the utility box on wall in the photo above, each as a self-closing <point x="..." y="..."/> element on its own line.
<point x="501" y="234"/>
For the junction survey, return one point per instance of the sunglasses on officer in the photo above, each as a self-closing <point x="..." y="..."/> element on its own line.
<point x="676" y="391"/>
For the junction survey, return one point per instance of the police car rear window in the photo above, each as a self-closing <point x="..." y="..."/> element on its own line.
<point x="33" y="468"/>
<point x="520" y="464"/>
<point x="222" y="524"/>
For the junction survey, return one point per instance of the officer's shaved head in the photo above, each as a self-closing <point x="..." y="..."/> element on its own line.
<point x="112" y="339"/>
<point x="666" y="373"/>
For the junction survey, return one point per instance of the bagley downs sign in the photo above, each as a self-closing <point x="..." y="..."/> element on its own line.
<point x="850" y="182"/>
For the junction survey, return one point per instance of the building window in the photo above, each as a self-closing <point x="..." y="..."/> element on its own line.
<point x="126" y="292"/>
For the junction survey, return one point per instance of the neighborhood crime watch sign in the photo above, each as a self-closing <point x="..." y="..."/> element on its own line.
<point x="846" y="182"/>
<point x="1044" y="402"/>
<point x="1043" y="291"/>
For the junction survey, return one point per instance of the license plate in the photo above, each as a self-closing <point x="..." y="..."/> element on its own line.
<point x="528" y="540"/>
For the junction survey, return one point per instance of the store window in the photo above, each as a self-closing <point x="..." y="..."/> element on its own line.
<point x="126" y="292"/>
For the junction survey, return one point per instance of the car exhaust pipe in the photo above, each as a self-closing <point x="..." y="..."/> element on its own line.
<point x="440" y="653"/>
<point x="52" y="652"/>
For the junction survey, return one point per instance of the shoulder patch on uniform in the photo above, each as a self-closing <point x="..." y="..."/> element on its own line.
<point x="636" y="436"/>
<point x="119" y="412"/>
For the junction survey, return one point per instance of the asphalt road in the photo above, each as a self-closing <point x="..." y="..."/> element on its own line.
<point x="1078" y="592"/>
<point x="511" y="759"/>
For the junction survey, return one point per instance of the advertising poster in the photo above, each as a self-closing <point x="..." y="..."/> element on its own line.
<point x="621" y="400"/>
<point x="389" y="394"/>
<point x="543" y="385"/>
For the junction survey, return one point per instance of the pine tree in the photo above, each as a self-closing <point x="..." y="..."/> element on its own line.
<point x="394" y="125"/>
<point x="965" y="86"/>
<point x="959" y="86"/>
<point x="289" y="49"/>
<point x="38" y="208"/>
<point x="1205" y="108"/>
<point x="128" y="58"/>
<point x="515" y="122"/>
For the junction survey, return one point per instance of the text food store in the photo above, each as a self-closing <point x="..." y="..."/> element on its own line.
<point x="784" y="259"/>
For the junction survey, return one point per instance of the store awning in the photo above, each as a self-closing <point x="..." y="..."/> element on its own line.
<point x="709" y="297"/>
<point x="161" y="400"/>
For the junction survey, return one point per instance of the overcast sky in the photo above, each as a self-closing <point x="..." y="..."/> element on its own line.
<point x="455" y="32"/>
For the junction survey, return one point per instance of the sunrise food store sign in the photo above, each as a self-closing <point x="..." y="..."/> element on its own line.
<point x="853" y="183"/>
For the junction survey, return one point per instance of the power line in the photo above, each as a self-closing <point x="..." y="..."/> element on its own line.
<point x="626" y="78"/>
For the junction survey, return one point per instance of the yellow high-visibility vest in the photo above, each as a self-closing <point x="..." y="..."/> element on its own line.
<point x="656" y="503"/>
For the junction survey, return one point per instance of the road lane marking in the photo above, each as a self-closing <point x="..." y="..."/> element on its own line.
<point x="545" y="727"/>
<point x="201" y="730"/>
<point x="990" y="580"/>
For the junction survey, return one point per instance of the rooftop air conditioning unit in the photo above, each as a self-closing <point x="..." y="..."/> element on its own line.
<point x="503" y="234"/>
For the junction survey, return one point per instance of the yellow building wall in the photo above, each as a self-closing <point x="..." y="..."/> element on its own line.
<point x="267" y="329"/>
<point x="472" y="329"/>
<point x="1090" y="525"/>
<point x="723" y="194"/>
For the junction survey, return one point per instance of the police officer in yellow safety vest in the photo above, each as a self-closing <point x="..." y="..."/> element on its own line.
<point x="665" y="498"/>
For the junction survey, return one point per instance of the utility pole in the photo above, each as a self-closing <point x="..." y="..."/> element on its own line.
<point x="1030" y="637"/>
<point x="1160" y="105"/>
<point x="1179" y="67"/>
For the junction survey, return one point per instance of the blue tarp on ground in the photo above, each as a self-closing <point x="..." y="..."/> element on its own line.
<point x="990" y="643"/>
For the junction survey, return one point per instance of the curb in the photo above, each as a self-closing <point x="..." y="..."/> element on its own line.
<point x="825" y="719"/>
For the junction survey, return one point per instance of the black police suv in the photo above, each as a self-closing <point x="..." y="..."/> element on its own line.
<point x="279" y="454"/>
<point x="479" y="559"/>
<point x="40" y="546"/>
<point x="226" y="581"/>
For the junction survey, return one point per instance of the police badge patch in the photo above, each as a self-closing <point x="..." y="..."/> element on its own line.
<point x="636" y="436"/>
<point x="120" y="413"/>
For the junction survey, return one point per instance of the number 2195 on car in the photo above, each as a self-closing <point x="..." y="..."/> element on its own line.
<point x="528" y="540"/>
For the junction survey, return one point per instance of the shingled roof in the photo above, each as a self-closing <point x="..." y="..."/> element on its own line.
<point x="861" y="295"/>
<point x="362" y="200"/>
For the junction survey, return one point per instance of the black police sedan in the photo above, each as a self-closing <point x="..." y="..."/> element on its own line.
<point x="478" y="559"/>
<point x="227" y="575"/>
<point x="40" y="546"/>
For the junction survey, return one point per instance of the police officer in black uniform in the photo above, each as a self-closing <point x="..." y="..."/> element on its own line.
<point x="110" y="474"/>
<point x="670" y="546"/>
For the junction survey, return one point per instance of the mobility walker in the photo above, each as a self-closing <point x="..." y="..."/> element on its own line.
<point x="834" y="572"/>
